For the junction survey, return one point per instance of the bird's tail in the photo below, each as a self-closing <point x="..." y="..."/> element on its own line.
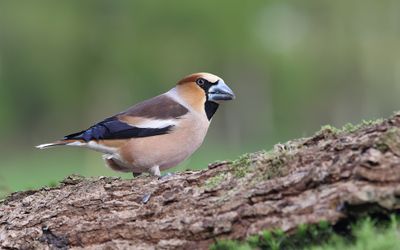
<point x="56" y="143"/>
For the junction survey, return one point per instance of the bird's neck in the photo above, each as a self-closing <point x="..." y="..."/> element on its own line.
<point x="210" y="108"/>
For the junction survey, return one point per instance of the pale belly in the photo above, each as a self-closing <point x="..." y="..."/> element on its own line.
<point x="165" y="151"/>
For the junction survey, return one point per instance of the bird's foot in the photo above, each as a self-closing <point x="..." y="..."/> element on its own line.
<point x="146" y="198"/>
<point x="165" y="176"/>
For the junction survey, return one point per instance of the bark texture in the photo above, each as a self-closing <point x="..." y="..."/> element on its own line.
<point x="327" y="177"/>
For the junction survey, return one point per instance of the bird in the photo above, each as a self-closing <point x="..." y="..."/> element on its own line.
<point x="158" y="133"/>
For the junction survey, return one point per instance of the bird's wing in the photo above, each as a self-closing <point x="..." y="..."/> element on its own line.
<point x="156" y="116"/>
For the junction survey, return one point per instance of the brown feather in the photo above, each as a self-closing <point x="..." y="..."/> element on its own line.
<point x="159" y="107"/>
<point x="190" y="78"/>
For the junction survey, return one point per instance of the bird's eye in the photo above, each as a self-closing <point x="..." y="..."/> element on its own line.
<point x="200" y="81"/>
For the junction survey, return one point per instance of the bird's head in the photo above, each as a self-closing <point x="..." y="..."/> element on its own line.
<point x="204" y="92"/>
<point x="212" y="87"/>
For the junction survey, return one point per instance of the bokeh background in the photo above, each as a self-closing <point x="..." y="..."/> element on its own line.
<point x="294" y="65"/>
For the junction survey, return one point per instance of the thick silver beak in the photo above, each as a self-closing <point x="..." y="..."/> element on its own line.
<point x="220" y="92"/>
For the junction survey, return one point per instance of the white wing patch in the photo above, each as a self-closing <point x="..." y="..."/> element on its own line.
<point x="155" y="123"/>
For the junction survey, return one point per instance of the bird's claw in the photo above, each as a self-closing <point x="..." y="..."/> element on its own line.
<point x="165" y="176"/>
<point x="146" y="198"/>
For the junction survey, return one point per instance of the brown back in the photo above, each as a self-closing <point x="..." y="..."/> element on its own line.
<point x="159" y="107"/>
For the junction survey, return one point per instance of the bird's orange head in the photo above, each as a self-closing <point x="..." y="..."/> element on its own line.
<point x="204" y="91"/>
<point x="212" y="87"/>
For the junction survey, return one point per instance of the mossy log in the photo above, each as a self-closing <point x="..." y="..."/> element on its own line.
<point x="329" y="177"/>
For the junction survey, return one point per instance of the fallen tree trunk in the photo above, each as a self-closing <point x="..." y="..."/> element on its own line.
<point x="326" y="177"/>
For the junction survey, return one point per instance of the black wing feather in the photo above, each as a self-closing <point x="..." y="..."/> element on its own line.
<point x="112" y="128"/>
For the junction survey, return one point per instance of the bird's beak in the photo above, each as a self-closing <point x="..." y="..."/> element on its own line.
<point x="220" y="92"/>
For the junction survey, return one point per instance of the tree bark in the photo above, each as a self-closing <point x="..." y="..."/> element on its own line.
<point x="330" y="176"/>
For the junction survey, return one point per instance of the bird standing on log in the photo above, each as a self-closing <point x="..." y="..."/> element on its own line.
<point x="158" y="133"/>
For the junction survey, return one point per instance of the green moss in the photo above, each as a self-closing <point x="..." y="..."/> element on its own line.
<point x="364" y="235"/>
<point x="215" y="180"/>
<point x="244" y="159"/>
<point x="368" y="236"/>
<point x="268" y="164"/>
<point x="242" y="165"/>
<point x="53" y="184"/>
<point x="276" y="160"/>
<point x="275" y="169"/>
<point x="276" y="239"/>
<point x="230" y="245"/>
<point x="239" y="168"/>
<point x="304" y="236"/>
<point x="390" y="140"/>
<point x="349" y="127"/>
<point x="273" y="161"/>
<point x="329" y="129"/>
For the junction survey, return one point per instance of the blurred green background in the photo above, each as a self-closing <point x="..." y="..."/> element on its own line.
<point x="294" y="66"/>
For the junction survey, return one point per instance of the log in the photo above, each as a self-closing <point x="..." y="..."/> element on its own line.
<point x="328" y="177"/>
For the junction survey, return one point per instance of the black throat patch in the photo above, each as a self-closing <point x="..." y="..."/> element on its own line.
<point x="211" y="108"/>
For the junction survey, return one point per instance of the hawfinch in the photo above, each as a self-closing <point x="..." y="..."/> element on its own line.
<point x="158" y="133"/>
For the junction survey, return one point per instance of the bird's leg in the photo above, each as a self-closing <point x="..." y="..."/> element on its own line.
<point x="155" y="170"/>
